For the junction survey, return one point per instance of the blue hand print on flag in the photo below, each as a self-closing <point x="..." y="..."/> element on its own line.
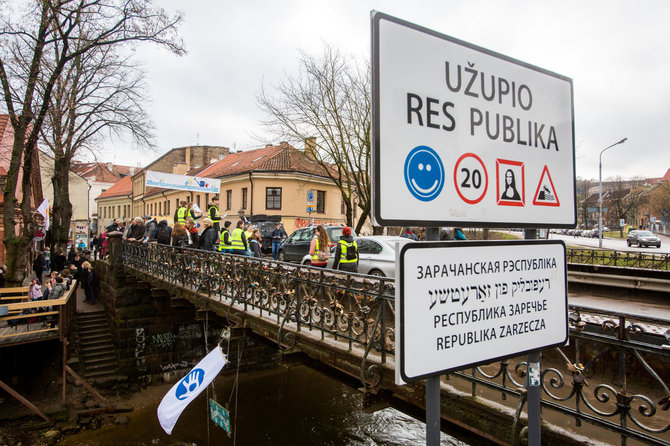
<point x="189" y="384"/>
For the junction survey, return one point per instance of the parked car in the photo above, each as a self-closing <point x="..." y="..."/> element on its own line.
<point x="296" y="245"/>
<point x="643" y="238"/>
<point x="267" y="227"/>
<point x="376" y="255"/>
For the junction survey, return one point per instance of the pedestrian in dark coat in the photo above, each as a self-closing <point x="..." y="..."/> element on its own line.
<point x="192" y="233"/>
<point x="38" y="266"/>
<point x="208" y="237"/>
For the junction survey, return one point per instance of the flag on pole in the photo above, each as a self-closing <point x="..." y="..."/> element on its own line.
<point x="197" y="208"/>
<point x="189" y="387"/>
<point x="44" y="210"/>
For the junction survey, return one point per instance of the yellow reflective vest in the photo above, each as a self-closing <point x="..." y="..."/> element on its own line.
<point x="236" y="239"/>
<point x="344" y="247"/>
<point x="181" y="215"/>
<point x="222" y="245"/>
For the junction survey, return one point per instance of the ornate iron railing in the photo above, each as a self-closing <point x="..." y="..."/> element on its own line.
<point x="612" y="375"/>
<point x="625" y="259"/>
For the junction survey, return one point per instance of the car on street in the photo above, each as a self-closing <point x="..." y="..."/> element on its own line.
<point x="643" y="238"/>
<point x="296" y="245"/>
<point x="376" y="255"/>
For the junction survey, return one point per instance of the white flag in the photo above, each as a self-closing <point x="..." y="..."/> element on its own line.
<point x="44" y="210"/>
<point x="197" y="208"/>
<point x="189" y="387"/>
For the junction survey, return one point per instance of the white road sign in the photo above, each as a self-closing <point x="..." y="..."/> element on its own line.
<point x="466" y="136"/>
<point x="461" y="304"/>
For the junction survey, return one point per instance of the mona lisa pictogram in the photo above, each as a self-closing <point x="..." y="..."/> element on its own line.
<point x="510" y="183"/>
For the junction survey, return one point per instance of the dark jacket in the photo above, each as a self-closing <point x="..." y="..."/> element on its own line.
<point x="208" y="239"/>
<point x="149" y="230"/>
<point x="163" y="225"/>
<point x="137" y="231"/>
<point x="255" y="247"/>
<point x="195" y="238"/>
<point x="180" y="241"/>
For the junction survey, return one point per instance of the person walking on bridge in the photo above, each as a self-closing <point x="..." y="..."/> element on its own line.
<point x="180" y="213"/>
<point x="238" y="240"/>
<point x="346" y="253"/>
<point x="213" y="213"/>
<point x="225" y="244"/>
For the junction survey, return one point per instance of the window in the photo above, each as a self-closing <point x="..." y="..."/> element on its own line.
<point x="244" y="198"/>
<point x="273" y="198"/>
<point x="197" y="200"/>
<point x="321" y="201"/>
<point x="229" y="199"/>
<point x="167" y="207"/>
<point x="159" y="208"/>
<point x="104" y="212"/>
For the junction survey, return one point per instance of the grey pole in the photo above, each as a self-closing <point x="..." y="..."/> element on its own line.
<point x="533" y="389"/>
<point x="600" y="195"/>
<point x="432" y="384"/>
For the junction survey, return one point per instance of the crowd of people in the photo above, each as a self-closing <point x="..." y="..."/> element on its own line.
<point x="190" y="229"/>
<point x="62" y="270"/>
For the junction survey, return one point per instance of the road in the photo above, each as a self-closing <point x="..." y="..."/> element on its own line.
<point x="612" y="243"/>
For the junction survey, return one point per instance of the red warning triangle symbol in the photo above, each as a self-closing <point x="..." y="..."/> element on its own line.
<point x="545" y="195"/>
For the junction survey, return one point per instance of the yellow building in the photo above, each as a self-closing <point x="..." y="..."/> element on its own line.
<point x="115" y="202"/>
<point x="272" y="180"/>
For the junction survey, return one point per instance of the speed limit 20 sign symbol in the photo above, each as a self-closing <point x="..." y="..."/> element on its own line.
<point x="470" y="178"/>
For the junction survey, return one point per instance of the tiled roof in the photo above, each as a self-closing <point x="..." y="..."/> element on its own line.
<point x="666" y="177"/>
<point x="121" y="188"/>
<point x="101" y="171"/>
<point x="281" y="158"/>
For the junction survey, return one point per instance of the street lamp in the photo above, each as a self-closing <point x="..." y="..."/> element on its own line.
<point x="600" y="197"/>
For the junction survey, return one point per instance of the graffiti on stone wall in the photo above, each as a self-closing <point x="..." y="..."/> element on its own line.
<point x="163" y="340"/>
<point x="140" y="345"/>
<point x="176" y="365"/>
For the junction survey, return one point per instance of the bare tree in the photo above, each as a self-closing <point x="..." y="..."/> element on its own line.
<point x="98" y="93"/>
<point x="74" y="28"/>
<point x="329" y="99"/>
<point x="660" y="202"/>
<point x="624" y="200"/>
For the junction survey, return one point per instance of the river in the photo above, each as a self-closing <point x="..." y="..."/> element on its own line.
<point x="286" y="406"/>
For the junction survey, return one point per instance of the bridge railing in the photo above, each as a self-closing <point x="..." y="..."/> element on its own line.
<point x="625" y="259"/>
<point x="612" y="375"/>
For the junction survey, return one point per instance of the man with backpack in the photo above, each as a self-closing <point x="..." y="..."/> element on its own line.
<point x="163" y="233"/>
<point x="346" y="253"/>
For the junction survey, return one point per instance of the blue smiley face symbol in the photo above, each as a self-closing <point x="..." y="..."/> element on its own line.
<point x="424" y="173"/>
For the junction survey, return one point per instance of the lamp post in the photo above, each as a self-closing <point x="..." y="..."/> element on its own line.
<point x="600" y="196"/>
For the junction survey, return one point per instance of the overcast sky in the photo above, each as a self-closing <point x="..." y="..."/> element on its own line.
<point x="615" y="51"/>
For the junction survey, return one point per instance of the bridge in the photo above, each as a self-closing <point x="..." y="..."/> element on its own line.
<point x="609" y="383"/>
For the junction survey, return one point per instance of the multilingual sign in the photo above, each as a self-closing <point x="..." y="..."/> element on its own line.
<point x="460" y="304"/>
<point x="466" y="136"/>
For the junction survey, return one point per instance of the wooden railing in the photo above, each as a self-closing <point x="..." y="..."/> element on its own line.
<point x="34" y="321"/>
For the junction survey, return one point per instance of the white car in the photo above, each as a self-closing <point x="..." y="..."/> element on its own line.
<point x="376" y="255"/>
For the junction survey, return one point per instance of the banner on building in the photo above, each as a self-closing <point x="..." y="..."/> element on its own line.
<point x="182" y="182"/>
